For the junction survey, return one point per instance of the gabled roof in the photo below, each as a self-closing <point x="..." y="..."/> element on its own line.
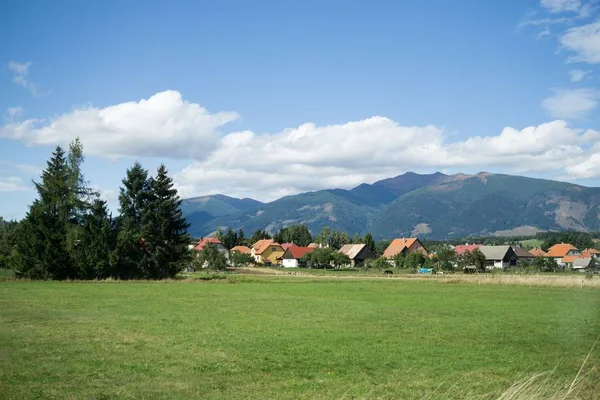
<point x="397" y="246"/>
<point x="205" y="241"/>
<point x="262" y="245"/>
<point x="560" y="250"/>
<point x="297" y="251"/>
<point x="313" y="245"/>
<point x="591" y="251"/>
<point x="285" y="246"/>
<point x="582" y="262"/>
<point x="242" y="249"/>
<point x="463" y="248"/>
<point x="521" y="252"/>
<point x="537" y="252"/>
<point x="494" y="252"/>
<point x="352" y="250"/>
<point x="570" y="259"/>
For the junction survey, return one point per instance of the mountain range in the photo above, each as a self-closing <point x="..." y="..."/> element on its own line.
<point x="435" y="206"/>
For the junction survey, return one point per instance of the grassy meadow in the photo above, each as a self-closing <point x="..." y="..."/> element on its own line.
<point x="532" y="242"/>
<point x="275" y="337"/>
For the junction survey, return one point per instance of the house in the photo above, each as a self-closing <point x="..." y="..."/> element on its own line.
<point x="559" y="251"/>
<point x="313" y="245"/>
<point x="590" y="253"/>
<point x="584" y="264"/>
<point x="463" y="248"/>
<point x="537" y="252"/>
<point x="357" y="253"/>
<point x="285" y="246"/>
<point x="293" y="254"/>
<point x="267" y="251"/>
<point x="497" y="257"/>
<point x="241" y="249"/>
<point x="567" y="261"/>
<point x="404" y="246"/>
<point x="215" y="242"/>
<point x="522" y="254"/>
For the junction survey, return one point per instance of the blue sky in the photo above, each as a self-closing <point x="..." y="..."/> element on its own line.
<point x="269" y="98"/>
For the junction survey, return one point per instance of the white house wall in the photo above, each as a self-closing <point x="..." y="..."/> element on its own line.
<point x="290" y="263"/>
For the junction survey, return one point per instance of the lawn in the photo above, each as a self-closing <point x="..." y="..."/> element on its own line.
<point x="532" y="242"/>
<point x="274" y="337"/>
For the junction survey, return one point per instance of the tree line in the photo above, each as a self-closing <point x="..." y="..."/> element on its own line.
<point x="69" y="233"/>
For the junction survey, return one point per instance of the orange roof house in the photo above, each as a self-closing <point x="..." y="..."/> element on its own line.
<point x="241" y="249"/>
<point x="537" y="252"/>
<point x="590" y="253"/>
<point x="561" y="250"/>
<point x="404" y="245"/>
<point x="204" y="241"/>
<point x="463" y="248"/>
<point x="215" y="242"/>
<point x="267" y="251"/>
<point x="569" y="259"/>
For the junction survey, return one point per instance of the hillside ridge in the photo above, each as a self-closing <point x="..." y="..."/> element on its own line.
<point x="436" y="206"/>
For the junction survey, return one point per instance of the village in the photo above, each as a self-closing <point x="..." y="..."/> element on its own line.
<point x="267" y="252"/>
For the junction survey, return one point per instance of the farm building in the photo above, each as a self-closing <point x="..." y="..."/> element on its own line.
<point x="293" y="254"/>
<point x="499" y="257"/>
<point x="404" y="246"/>
<point x="357" y="253"/>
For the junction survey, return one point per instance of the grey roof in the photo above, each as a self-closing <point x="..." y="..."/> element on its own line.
<point x="582" y="262"/>
<point x="352" y="250"/>
<point x="494" y="252"/>
<point x="521" y="252"/>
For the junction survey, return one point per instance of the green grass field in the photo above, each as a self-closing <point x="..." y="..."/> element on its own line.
<point x="532" y="242"/>
<point x="269" y="337"/>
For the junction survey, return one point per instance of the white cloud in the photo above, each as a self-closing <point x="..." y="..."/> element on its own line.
<point x="313" y="157"/>
<point x="12" y="184"/>
<point x="587" y="168"/>
<point x="571" y="103"/>
<point x="20" y="72"/>
<point x="560" y="6"/>
<point x="578" y="74"/>
<point x="307" y="157"/>
<point x="584" y="41"/>
<point x="164" y="125"/>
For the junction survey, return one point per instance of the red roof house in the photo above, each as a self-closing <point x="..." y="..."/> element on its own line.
<point x="293" y="254"/>
<point x="463" y="248"/>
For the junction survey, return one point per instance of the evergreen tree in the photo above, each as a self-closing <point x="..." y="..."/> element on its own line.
<point x="229" y="239"/>
<point x="241" y="238"/>
<point x="164" y="230"/>
<point x="98" y="240"/>
<point x="42" y="247"/>
<point x="8" y="241"/>
<point x="297" y="234"/>
<point x="133" y="202"/>
<point x="370" y="243"/>
<point x="259" y="235"/>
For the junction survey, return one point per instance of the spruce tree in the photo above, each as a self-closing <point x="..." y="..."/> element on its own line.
<point x="42" y="243"/>
<point x="133" y="201"/>
<point x="241" y="238"/>
<point x="165" y="229"/>
<point x="98" y="240"/>
<point x="370" y="242"/>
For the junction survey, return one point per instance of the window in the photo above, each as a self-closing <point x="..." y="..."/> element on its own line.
<point x="273" y="248"/>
